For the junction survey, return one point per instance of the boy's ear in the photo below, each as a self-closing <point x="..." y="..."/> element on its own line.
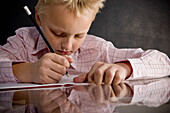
<point x="37" y="17"/>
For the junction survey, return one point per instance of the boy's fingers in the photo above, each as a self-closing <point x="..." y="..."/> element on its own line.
<point x="90" y="75"/>
<point x="80" y="79"/>
<point x="109" y="75"/>
<point x="118" y="78"/>
<point x="55" y="76"/>
<point x="58" y="59"/>
<point x="70" y="60"/>
<point x="99" y="74"/>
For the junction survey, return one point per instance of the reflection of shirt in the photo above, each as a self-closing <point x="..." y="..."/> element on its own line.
<point x="151" y="93"/>
<point x="28" y="46"/>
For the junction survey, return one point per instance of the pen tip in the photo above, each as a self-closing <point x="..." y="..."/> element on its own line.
<point x="67" y="74"/>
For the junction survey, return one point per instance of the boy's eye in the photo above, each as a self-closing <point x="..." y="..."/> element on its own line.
<point x="76" y="35"/>
<point x="59" y="34"/>
<point x="79" y="36"/>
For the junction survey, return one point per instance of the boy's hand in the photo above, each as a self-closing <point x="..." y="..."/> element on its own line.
<point x="107" y="73"/>
<point x="48" y="69"/>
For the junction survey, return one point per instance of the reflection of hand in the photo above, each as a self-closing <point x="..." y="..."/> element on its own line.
<point x="100" y="93"/>
<point x="103" y="94"/>
<point x="52" y="101"/>
<point x="121" y="92"/>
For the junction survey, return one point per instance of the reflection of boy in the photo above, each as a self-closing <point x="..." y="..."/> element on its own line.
<point x="151" y="93"/>
<point x="65" y="23"/>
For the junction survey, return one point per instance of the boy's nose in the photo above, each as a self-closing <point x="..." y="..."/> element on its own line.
<point x="67" y="44"/>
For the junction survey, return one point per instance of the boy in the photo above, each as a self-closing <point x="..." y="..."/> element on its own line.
<point x="65" y="23"/>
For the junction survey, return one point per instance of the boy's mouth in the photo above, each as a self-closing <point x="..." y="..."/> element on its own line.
<point x="63" y="52"/>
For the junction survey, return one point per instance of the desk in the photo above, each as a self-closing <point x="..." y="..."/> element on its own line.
<point x="144" y="96"/>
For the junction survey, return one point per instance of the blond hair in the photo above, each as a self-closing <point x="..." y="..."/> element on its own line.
<point x="77" y="6"/>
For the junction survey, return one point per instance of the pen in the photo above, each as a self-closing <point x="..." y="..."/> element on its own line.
<point x="40" y="31"/>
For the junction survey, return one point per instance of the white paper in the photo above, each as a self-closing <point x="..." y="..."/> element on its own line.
<point x="64" y="81"/>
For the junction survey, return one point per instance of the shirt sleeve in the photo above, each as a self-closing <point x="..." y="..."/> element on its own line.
<point x="13" y="51"/>
<point x="145" y="64"/>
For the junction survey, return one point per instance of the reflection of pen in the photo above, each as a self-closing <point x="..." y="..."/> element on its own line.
<point x="39" y="30"/>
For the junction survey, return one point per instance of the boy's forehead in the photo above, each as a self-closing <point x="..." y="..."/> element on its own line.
<point x="60" y="18"/>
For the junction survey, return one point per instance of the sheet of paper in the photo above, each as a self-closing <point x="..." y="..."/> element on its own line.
<point x="64" y="82"/>
<point x="66" y="79"/>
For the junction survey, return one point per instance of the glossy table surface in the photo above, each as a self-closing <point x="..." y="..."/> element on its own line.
<point x="142" y="96"/>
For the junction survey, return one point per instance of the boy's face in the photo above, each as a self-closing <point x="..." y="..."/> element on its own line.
<point x="63" y="29"/>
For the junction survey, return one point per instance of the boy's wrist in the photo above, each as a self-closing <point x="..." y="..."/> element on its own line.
<point x="128" y="68"/>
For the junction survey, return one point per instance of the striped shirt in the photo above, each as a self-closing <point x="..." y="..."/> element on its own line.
<point x="28" y="46"/>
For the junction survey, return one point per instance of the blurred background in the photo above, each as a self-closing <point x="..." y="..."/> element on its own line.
<point x="126" y="23"/>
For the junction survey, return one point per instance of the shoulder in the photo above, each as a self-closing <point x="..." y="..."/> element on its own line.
<point x="27" y="33"/>
<point x="24" y="37"/>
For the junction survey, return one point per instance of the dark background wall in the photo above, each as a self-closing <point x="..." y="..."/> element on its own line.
<point x="13" y="17"/>
<point x="127" y="23"/>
